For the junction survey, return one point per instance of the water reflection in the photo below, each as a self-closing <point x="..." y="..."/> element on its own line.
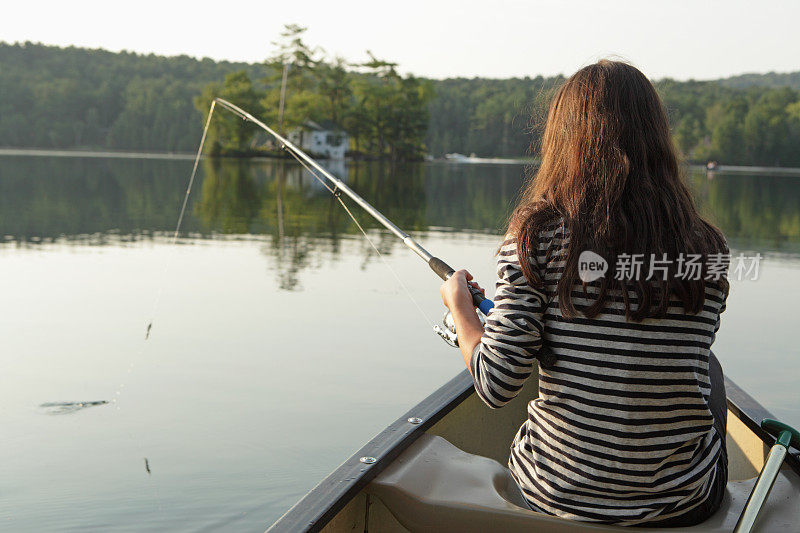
<point x="212" y="387"/>
<point x="761" y="212"/>
<point x="100" y="201"/>
<point x="47" y="198"/>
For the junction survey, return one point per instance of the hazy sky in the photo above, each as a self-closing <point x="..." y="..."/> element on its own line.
<point x="681" y="39"/>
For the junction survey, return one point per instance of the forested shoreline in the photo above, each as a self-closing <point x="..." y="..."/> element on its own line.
<point x="75" y="98"/>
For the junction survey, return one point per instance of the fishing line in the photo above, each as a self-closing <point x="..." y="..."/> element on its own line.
<point x="174" y="239"/>
<point x="157" y="300"/>
<point x="336" y="194"/>
<point x="171" y="256"/>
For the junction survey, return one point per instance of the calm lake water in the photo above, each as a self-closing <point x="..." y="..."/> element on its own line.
<point x="281" y="342"/>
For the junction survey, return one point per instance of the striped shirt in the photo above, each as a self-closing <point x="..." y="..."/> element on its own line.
<point x="621" y="432"/>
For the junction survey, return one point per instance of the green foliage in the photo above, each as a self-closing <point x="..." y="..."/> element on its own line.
<point x="151" y="117"/>
<point x="722" y="134"/>
<point x="385" y="114"/>
<point x="756" y="126"/>
<point x="300" y="63"/>
<point x="770" y="79"/>
<point x="227" y="132"/>
<point x="389" y="114"/>
<point x="335" y="89"/>
<point x="710" y="121"/>
<point x="292" y="49"/>
<point x="79" y="98"/>
<point x="487" y="117"/>
<point x="770" y="133"/>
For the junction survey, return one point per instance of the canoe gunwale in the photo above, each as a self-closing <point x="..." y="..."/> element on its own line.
<point x="325" y="500"/>
<point x="751" y="413"/>
<point x="322" y="503"/>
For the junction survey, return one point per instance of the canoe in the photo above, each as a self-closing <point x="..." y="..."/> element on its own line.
<point x="441" y="467"/>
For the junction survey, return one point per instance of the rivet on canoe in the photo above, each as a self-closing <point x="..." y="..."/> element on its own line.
<point x="415" y="420"/>
<point x="368" y="460"/>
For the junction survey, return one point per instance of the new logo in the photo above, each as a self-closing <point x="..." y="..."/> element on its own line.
<point x="591" y="266"/>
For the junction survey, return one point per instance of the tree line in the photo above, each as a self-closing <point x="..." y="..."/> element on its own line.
<point x="732" y="123"/>
<point x="94" y="99"/>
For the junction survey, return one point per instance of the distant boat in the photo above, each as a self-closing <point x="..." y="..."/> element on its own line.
<point x="441" y="467"/>
<point x="711" y="165"/>
<point x="472" y="158"/>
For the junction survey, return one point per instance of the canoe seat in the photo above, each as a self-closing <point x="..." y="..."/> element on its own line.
<point x="434" y="486"/>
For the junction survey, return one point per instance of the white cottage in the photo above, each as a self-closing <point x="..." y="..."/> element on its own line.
<point x="325" y="141"/>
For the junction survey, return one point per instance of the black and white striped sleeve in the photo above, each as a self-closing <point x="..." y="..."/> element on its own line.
<point x="723" y="295"/>
<point x="505" y="357"/>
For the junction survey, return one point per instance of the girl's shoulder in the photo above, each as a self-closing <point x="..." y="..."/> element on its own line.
<point x="540" y="245"/>
<point x="539" y="224"/>
<point x="553" y="230"/>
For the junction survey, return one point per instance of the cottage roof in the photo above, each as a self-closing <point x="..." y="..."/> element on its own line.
<point x="324" y="125"/>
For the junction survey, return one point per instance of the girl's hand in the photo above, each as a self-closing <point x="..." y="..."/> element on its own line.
<point x="457" y="298"/>
<point x="455" y="294"/>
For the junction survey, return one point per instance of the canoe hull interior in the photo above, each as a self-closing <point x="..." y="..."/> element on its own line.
<point x="431" y="479"/>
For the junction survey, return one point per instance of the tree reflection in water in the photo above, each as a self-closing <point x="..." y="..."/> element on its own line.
<point x="100" y="201"/>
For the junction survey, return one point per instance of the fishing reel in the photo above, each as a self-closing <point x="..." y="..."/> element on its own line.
<point x="448" y="333"/>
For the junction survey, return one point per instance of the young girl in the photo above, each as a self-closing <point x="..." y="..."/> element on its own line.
<point x="630" y="424"/>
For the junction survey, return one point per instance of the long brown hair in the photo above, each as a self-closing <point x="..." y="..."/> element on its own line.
<point x="610" y="171"/>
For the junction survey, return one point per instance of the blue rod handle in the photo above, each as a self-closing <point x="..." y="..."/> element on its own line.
<point x="482" y="303"/>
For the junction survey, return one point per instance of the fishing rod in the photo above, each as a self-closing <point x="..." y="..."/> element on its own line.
<point x="442" y="269"/>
